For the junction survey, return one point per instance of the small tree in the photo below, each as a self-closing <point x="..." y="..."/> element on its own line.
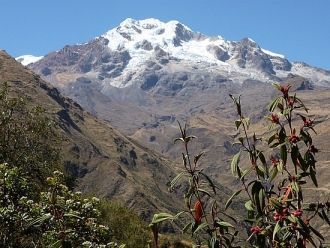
<point x="277" y="215"/>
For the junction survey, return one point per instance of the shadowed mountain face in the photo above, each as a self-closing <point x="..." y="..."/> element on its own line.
<point x="104" y="161"/>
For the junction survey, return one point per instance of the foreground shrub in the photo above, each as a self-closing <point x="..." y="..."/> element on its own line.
<point x="126" y="225"/>
<point x="277" y="215"/>
<point x="35" y="211"/>
<point x="60" y="219"/>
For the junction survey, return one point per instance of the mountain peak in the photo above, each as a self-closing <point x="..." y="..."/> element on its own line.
<point x="28" y="59"/>
<point x="131" y="32"/>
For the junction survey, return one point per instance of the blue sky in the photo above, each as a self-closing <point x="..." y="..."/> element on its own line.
<point x="299" y="29"/>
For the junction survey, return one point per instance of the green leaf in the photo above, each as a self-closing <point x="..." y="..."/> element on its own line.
<point x="246" y="172"/>
<point x="209" y="180"/>
<point x="73" y="215"/>
<point x="276" y="86"/>
<point x="272" y="138"/>
<point x="160" y="217"/>
<point x="200" y="227"/>
<point x="246" y="122"/>
<point x="273" y="174"/>
<point x="234" y="163"/>
<point x="196" y="158"/>
<point x="283" y="154"/>
<point x="39" y="220"/>
<point x="249" y="205"/>
<point x="295" y="187"/>
<point x="224" y="224"/>
<point x="280" y="166"/>
<point x="262" y="159"/>
<point x="188" y="226"/>
<point x="272" y="106"/>
<point x="262" y="199"/>
<point x="178" y="139"/>
<point x="261" y="171"/>
<point x="176" y="179"/>
<point x="258" y="195"/>
<point x="276" y="229"/>
<point x="231" y="198"/>
<point x="205" y="192"/>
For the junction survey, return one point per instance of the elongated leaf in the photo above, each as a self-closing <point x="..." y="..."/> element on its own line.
<point x="234" y="163"/>
<point x="258" y="196"/>
<point x="176" y="179"/>
<point x="178" y="139"/>
<point x="276" y="229"/>
<point x="57" y="244"/>
<point x="39" y="220"/>
<point x="187" y="227"/>
<point x="262" y="197"/>
<point x="231" y="198"/>
<point x="249" y="205"/>
<point x="262" y="159"/>
<point x="246" y="172"/>
<point x="210" y="182"/>
<point x="205" y="192"/>
<point x="272" y="138"/>
<point x="72" y="215"/>
<point x="272" y="106"/>
<point x="280" y="166"/>
<point x="276" y="86"/>
<point x="196" y="158"/>
<point x="246" y="122"/>
<point x="224" y="224"/>
<point x="200" y="227"/>
<point x="283" y="154"/>
<point x="160" y="217"/>
<point x="273" y="173"/>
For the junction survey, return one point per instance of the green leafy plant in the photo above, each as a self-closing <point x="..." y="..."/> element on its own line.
<point x="277" y="215"/>
<point x="208" y="218"/>
<point x="27" y="137"/>
<point x="36" y="211"/>
<point x="125" y="224"/>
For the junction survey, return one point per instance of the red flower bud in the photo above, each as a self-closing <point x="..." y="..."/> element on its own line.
<point x="285" y="90"/>
<point x="291" y="101"/>
<point x="274" y="118"/>
<point x="294" y="138"/>
<point x="308" y="123"/>
<point x="198" y="214"/>
<point x="297" y="213"/>
<point x="256" y="230"/>
<point x="274" y="161"/>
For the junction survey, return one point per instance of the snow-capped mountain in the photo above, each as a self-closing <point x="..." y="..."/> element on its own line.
<point x="121" y="56"/>
<point x="28" y="59"/>
<point x="144" y="75"/>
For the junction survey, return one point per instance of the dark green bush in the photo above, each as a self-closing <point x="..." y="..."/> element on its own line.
<point x="126" y="225"/>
